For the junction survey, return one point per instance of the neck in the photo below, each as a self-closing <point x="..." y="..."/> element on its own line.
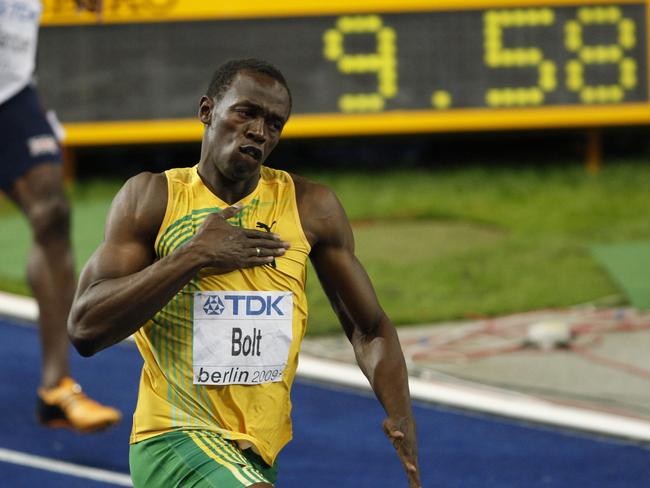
<point x="227" y="190"/>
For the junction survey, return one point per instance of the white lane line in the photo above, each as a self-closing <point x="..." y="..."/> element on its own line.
<point x="38" y="462"/>
<point x="493" y="401"/>
<point x="18" y="306"/>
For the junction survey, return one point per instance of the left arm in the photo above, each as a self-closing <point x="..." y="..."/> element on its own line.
<point x="373" y="337"/>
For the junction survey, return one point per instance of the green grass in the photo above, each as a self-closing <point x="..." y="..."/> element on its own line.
<point x="443" y="245"/>
<point x="489" y="241"/>
<point x="90" y="205"/>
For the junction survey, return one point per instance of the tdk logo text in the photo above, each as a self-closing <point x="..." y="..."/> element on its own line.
<point x="244" y="305"/>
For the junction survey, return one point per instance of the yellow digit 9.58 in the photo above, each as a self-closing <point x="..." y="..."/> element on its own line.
<point x="600" y="54"/>
<point x="498" y="56"/>
<point x="383" y="62"/>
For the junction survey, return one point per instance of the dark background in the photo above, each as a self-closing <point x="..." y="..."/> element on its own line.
<point x="433" y="151"/>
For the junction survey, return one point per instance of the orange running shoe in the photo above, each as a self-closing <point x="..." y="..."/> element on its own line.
<point x="66" y="405"/>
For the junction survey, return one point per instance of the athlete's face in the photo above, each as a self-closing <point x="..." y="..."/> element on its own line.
<point x="245" y="125"/>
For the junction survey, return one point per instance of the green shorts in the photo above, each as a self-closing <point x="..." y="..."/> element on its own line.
<point x="196" y="458"/>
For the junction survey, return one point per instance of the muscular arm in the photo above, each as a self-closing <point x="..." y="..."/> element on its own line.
<point x="353" y="298"/>
<point x="123" y="285"/>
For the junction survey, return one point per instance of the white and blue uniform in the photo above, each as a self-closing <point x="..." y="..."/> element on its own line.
<point x="26" y="137"/>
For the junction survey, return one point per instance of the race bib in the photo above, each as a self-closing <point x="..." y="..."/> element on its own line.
<point x="241" y="337"/>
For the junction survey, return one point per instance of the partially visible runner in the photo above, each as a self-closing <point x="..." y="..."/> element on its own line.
<point x="206" y="266"/>
<point x="31" y="175"/>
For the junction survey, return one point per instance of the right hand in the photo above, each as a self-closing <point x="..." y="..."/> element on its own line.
<point x="402" y="436"/>
<point x="224" y="247"/>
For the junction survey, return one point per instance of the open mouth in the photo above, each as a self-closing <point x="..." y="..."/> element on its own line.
<point x="252" y="152"/>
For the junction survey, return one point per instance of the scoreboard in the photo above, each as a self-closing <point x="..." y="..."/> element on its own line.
<point x="354" y="68"/>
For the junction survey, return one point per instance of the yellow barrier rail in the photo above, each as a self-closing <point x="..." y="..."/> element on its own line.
<point x="65" y="12"/>
<point x="390" y="123"/>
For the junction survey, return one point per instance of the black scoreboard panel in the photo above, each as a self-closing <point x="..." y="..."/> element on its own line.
<point x="434" y="63"/>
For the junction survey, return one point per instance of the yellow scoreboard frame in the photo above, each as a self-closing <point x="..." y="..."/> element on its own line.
<point x="363" y="114"/>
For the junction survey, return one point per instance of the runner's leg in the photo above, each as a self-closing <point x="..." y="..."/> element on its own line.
<point x="50" y="271"/>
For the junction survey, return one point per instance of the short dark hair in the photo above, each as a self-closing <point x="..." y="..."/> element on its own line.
<point x="224" y="75"/>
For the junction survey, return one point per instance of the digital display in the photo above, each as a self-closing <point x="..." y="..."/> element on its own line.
<point x="435" y="64"/>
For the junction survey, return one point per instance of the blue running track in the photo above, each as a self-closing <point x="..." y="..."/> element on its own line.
<point x="338" y="439"/>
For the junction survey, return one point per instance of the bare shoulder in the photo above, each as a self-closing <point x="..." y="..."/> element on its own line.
<point x="140" y="204"/>
<point x="311" y="192"/>
<point x="321" y="214"/>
